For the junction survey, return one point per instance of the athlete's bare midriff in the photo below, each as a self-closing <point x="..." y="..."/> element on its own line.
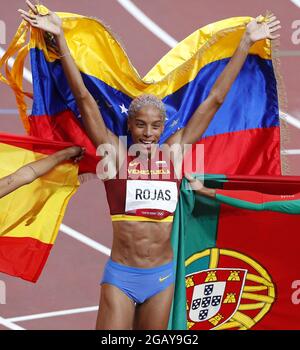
<point x="142" y="244"/>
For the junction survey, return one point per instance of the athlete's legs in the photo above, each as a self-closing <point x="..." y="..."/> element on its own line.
<point x="116" y="310"/>
<point x="154" y="312"/>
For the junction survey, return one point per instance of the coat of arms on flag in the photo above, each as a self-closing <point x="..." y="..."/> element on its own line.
<point x="213" y="296"/>
<point x="235" y="292"/>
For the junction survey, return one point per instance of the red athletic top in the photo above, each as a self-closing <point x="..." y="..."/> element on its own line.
<point x="144" y="190"/>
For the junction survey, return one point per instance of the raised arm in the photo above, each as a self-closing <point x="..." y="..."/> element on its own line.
<point x="30" y="172"/>
<point x="255" y="31"/>
<point x="89" y="110"/>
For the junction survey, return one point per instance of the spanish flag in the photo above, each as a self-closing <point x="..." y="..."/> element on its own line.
<point x="244" y="136"/>
<point x="238" y="255"/>
<point x="30" y="216"/>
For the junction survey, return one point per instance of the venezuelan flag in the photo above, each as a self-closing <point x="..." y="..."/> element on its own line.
<point x="30" y="216"/>
<point x="244" y="136"/>
<point x="237" y="255"/>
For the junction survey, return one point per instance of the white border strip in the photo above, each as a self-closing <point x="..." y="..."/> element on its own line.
<point x="290" y="152"/>
<point x="141" y="17"/>
<point x="84" y="239"/>
<point x="53" y="314"/>
<point x="12" y="111"/>
<point x="26" y="72"/>
<point x="290" y="119"/>
<point x="296" y="2"/>
<point x="9" y="324"/>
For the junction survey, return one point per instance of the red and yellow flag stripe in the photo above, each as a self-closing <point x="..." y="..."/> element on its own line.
<point x="30" y="216"/>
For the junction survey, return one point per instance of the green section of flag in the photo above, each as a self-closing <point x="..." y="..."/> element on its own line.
<point x="194" y="230"/>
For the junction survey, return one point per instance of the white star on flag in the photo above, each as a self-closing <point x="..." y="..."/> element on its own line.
<point x="123" y="109"/>
<point x="174" y="123"/>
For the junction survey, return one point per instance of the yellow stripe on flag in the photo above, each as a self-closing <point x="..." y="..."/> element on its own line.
<point x="99" y="54"/>
<point x="35" y="210"/>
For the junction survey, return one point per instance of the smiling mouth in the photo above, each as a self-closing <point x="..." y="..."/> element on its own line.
<point x="144" y="142"/>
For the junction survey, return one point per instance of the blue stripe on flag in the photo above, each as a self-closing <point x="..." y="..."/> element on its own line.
<point x="251" y="102"/>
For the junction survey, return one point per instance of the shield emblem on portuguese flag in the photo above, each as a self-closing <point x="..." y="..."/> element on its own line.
<point x="213" y="296"/>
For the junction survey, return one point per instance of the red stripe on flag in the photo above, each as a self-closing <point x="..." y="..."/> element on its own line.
<point x="276" y="185"/>
<point x="65" y="127"/>
<point x="23" y="257"/>
<point x="257" y="197"/>
<point x="61" y="127"/>
<point x="248" y="196"/>
<point x="251" y="152"/>
<point x="33" y="144"/>
<point x="248" y="152"/>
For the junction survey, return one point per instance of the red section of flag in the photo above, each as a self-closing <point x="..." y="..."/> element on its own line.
<point x="26" y="254"/>
<point x="65" y="127"/>
<point x="257" y="197"/>
<point x="243" y="153"/>
<point x="272" y="240"/>
<point x="33" y="144"/>
<point x="237" y="159"/>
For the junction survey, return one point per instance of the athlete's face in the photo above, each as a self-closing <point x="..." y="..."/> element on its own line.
<point x="146" y="126"/>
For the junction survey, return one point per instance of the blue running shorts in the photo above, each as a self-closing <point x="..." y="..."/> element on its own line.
<point x="139" y="284"/>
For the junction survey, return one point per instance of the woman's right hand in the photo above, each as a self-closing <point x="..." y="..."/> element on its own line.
<point x="50" y="23"/>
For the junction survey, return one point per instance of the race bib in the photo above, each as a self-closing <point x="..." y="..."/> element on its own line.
<point x="143" y="194"/>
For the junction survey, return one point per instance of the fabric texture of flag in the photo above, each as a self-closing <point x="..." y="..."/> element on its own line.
<point x="235" y="265"/>
<point x="31" y="215"/>
<point x="246" y="124"/>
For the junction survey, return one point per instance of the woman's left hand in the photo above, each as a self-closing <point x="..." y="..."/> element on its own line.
<point x="263" y="29"/>
<point x="49" y="23"/>
<point x="195" y="184"/>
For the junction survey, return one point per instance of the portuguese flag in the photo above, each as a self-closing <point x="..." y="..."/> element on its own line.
<point x="30" y="216"/>
<point x="237" y="255"/>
